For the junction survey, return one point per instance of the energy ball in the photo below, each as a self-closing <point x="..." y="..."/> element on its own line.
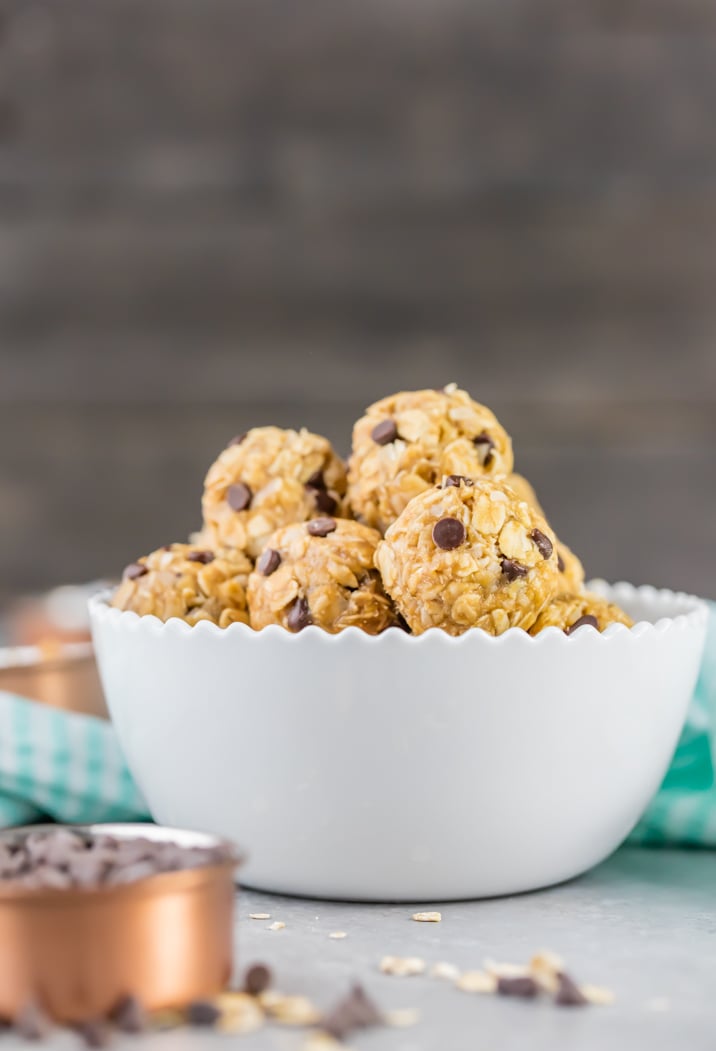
<point x="320" y="572"/>
<point x="266" y="479"/>
<point x="406" y="443"/>
<point x="525" y="491"/>
<point x="569" y="565"/>
<point x="571" y="569"/>
<point x="570" y="612"/>
<point x="189" y="582"/>
<point x="469" y="554"/>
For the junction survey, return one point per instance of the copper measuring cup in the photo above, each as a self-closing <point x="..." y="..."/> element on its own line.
<point x="167" y="938"/>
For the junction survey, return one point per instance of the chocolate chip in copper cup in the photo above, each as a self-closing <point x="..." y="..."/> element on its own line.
<point x="237" y="440"/>
<point x="134" y="571"/>
<point x="268" y="562"/>
<point x="129" y="1015"/>
<point x="258" y="979"/>
<point x="449" y="533"/>
<point x="31" y="1022"/>
<point x="322" y="526"/>
<point x="542" y="542"/>
<point x="299" y="615"/>
<point x="485" y="446"/>
<point x="560" y="563"/>
<point x="513" y="570"/>
<point x="522" y="986"/>
<point x="384" y="432"/>
<point x="323" y="500"/>
<point x="202" y="1013"/>
<point x="238" y="496"/>
<point x="568" y="992"/>
<point x="201" y="556"/>
<point x="62" y="859"/>
<point x="588" y="620"/>
<point x="95" y="1033"/>
<point x="456" y="480"/>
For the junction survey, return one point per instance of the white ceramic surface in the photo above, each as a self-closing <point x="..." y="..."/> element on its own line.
<point x="400" y="768"/>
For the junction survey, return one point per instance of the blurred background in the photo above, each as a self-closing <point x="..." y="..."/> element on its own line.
<point x="215" y="214"/>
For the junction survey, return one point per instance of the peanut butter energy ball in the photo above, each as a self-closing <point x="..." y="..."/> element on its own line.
<point x="406" y="443"/>
<point x="571" y="569"/>
<point x="570" y="612"/>
<point x="469" y="554"/>
<point x="266" y="479"/>
<point x="569" y="565"/>
<point x="320" y="572"/>
<point x="525" y="491"/>
<point x="189" y="582"/>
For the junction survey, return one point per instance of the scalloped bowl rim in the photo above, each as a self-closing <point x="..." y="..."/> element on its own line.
<point x="695" y="612"/>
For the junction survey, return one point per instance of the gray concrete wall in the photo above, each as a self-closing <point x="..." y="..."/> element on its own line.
<point x="219" y="213"/>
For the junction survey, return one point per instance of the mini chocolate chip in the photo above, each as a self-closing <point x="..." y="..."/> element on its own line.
<point x="299" y="615"/>
<point x="522" y="986"/>
<point x="456" y="480"/>
<point x="384" y="432"/>
<point x="365" y="1011"/>
<point x="129" y="1015"/>
<point x="269" y="562"/>
<point x="201" y="556"/>
<point x="258" y="978"/>
<point x="354" y="1011"/>
<point x="542" y="543"/>
<point x="512" y="570"/>
<point x="449" y="533"/>
<point x="560" y="563"/>
<point x="202" y="1013"/>
<point x="587" y="619"/>
<point x="324" y="501"/>
<point x="95" y="1033"/>
<point x="316" y="481"/>
<point x="134" y="570"/>
<point x="568" y="992"/>
<point x="31" y="1022"/>
<point x="238" y="496"/>
<point x="485" y="446"/>
<point x="322" y="526"/>
<point x="237" y="440"/>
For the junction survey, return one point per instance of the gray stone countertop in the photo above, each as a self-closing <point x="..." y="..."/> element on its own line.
<point x="643" y="924"/>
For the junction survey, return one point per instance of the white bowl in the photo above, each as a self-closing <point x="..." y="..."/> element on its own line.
<point x="401" y="768"/>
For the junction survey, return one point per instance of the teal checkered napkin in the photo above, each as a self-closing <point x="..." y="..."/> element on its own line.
<point x="59" y="766"/>
<point x="683" y="813"/>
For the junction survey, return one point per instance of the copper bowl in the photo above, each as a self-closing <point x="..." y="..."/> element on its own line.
<point x="167" y="939"/>
<point x="63" y="675"/>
